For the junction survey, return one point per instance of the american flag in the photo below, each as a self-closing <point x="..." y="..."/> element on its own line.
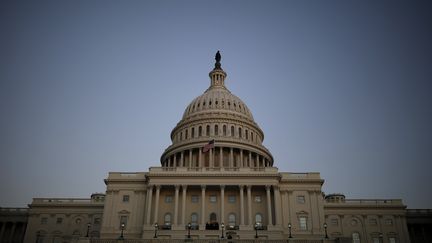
<point x="208" y="146"/>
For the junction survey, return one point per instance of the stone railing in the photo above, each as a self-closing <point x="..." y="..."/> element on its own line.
<point x="215" y="169"/>
<point x="207" y="241"/>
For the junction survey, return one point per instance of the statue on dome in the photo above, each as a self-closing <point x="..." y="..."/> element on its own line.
<point x="218" y="57"/>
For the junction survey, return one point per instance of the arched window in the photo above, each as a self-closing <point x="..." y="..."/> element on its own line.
<point x="232" y="131"/>
<point x="355" y="237"/>
<point x="246" y="134"/>
<point x="167" y="219"/>
<point x="194" y="219"/>
<point x="224" y="130"/>
<point x="252" y="136"/>
<point x="199" y="131"/>
<point x="240" y="132"/>
<point x="216" y="130"/>
<point x="186" y="134"/>
<point x="258" y="218"/>
<point x="208" y="130"/>
<point x="303" y="223"/>
<point x="193" y="132"/>
<point x="181" y="136"/>
<point x="231" y="219"/>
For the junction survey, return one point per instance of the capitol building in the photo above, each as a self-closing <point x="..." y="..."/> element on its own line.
<point x="216" y="181"/>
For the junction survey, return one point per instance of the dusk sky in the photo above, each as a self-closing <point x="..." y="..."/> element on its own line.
<point x="343" y="88"/>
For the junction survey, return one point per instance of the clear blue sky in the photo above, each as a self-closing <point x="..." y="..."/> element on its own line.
<point x="338" y="87"/>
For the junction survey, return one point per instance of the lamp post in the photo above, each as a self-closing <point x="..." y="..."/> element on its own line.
<point x="122" y="229"/>
<point x="222" y="226"/>
<point x="38" y="237"/>
<point x="88" y="229"/>
<point x="325" y="228"/>
<point x="381" y="237"/>
<point x="256" y="230"/>
<point x="289" y="228"/>
<point x="156" y="226"/>
<point x="189" y="228"/>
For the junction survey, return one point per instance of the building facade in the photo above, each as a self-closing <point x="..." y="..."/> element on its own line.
<point x="216" y="181"/>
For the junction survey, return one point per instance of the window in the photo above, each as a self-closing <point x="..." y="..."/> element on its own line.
<point x="44" y="220"/>
<point x="375" y="240"/>
<point x="194" y="219"/>
<point x="388" y="221"/>
<point x="373" y="221"/>
<point x="123" y="220"/>
<point x="240" y="132"/>
<point x="186" y="134"/>
<point x="258" y="218"/>
<point x="334" y="222"/>
<point x="168" y="199"/>
<point x="231" y="198"/>
<point x="125" y="198"/>
<point x="216" y="130"/>
<point x="96" y="221"/>
<point x="392" y="240"/>
<point x="224" y="130"/>
<point x="199" y="131"/>
<point x="257" y="199"/>
<point x="59" y="220"/>
<point x="213" y="198"/>
<point x="301" y="199"/>
<point x="231" y="219"/>
<point x="232" y="131"/>
<point x="193" y="132"/>
<point x="167" y="219"/>
<point x="303" y="223"/>
<point x="356" y="237"/>
<point x="246" y="134"/>
<point x="194" y="198"/>
<point x="208" y="130"/>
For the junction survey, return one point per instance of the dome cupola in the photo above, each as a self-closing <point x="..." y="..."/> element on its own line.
<point x="219" y="116"/>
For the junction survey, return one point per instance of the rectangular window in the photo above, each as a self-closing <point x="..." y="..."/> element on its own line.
<point x="125" y="198"/>
<point x="195" y="198"/>
<point x="231" y="198"/>
<point x="334" y="222"/>
<point x="44" y="220"/>
<point x="123" y="220"/>
<point x="389" y="222"/>
<point x="213" y="198"/>
<point x="257" y="199"/>
<point x="169" y="199"/>
<point x="303" y="223"/>
<point x="301" y="199"/>
<point x="375" y="240"/>
<point x="392" y="240"/>
<point x="59" y="220"/>
<point x="373" y="221"/>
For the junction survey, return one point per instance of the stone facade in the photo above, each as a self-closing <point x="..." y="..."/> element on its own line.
<point x="216" y="181"/>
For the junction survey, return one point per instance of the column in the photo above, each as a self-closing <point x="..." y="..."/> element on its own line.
<point x="278" y="206"/>
<point x="257" y="161"/>
<point x="222" y="216"/>
<point x="200" y="164"/>
<point x="12" y="232"/>
<point x="175" y="160"/>
<point x="231" y="163"/>
<point x="241" y="205"/>
<point x="263" y="162"/>
<point x="176" y="197"/>
<point x="249" y="198"/>
<point x="182" y="159"/>
<point x="169" y="161"/>
<point x="241" y="158"/>
<point x="220" y="157"/>
<point x="184" y="188"/>
<point x="203" y="188"/>
<point x="156" y="203"/>
<point x="190" y="158"/>
<point x="149" y="202"/>
<point x="2" y="230"/>
<point x="250" y="160"/>
<point x="269" y="210"/>
<point x="211" y="165"/>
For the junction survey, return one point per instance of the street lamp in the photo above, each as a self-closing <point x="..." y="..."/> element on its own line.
<point x="222" y="226"/>
<point x="38" y="235"/>
<point x="88" y="229"/>
<point x="189" y="228"/>
<point x="289" y="228"/>
<point x="381" y="237"/>
<point x="122" y="229"/>
<point x="256" y="230"/>
<point x="325" y="228"/>
<point x="156" y="226"/>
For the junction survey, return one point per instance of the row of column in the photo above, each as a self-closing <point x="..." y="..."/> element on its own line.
<point x="250" y="220"/>
<point x="4" y="237"/>
<point x="255" y="160"/>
